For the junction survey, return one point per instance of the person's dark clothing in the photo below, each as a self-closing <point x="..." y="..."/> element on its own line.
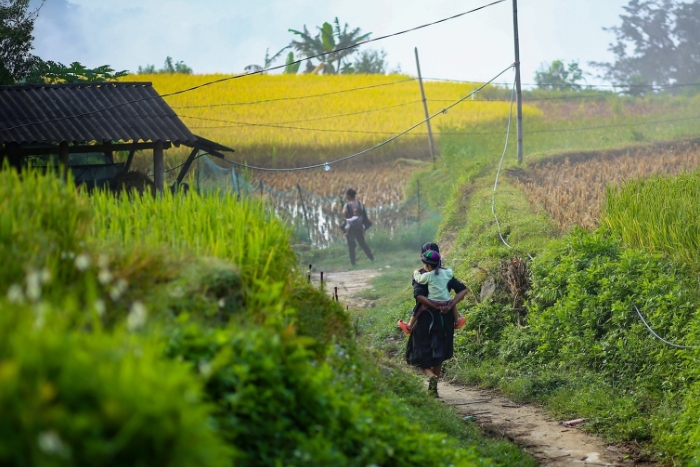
<point x="432" y="340"/>
<point x="356" y="235"/>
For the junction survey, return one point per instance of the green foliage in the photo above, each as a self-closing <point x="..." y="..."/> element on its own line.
<point x="16" y="27"/>
<point x="370" y="62"/>
<point x="169" y="67"/>
<point x="330" y="37"/>
<point x="70" y="398"/>
<point x="274" y="402"/>
<point x="660" y="214"/>
<point x="291" y="68"/>
<point x="559" y="76"/>
<point x="582" y="311"/>
<point x="43" y="223"/>
<point x="52" y="72"/>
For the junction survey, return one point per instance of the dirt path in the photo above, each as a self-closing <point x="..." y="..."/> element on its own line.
<point x="350" y="285"/>
<point x="550" y="442"/>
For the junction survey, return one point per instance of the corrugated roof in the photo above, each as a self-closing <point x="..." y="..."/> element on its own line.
<point x="88" y="112"/>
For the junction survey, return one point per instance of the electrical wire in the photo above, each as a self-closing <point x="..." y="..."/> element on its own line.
<point x="278" y="99"/>
<point x="376" y="146"/>
<point x="278" y="67"/>
<point x="653" y="333"/>
<point x="562" y="85"/>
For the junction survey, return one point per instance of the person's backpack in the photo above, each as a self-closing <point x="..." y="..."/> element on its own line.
<point x="365" y="220"/>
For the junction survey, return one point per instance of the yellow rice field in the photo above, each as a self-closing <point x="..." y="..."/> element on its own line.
<point x="319" y="129"/>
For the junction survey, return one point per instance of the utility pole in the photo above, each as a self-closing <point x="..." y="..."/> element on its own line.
<point x="518" y="86"/>
<point x="425" y="108"/>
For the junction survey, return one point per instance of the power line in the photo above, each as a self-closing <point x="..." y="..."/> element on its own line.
<point x="564" y="85"/>
<point x="230" y="78"/>
<point x="277" y="99"/>
<point x="376" y="146"/>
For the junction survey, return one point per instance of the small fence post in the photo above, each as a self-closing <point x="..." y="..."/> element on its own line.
<point x="321" y="280"/>
<point x="336" y="294"/>
<point x="261" y="188"/>
<point x="306" y="217"/>
<point x="308" y="278"/>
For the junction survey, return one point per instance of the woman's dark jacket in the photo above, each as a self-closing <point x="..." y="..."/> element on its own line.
<point x="432" y="338"/>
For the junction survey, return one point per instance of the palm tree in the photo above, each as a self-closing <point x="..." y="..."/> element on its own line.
<point x="327" y="40"/>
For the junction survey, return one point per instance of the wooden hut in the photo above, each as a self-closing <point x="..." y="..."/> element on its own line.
<point x="82" y="125"/>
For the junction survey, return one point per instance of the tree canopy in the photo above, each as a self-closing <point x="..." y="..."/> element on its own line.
<point x="19" y="65"/>
<point x="657" y="44"/>
<point x="559" y="76"/>
<point x="16" y="26"/>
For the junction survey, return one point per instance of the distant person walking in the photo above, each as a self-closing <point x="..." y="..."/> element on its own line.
<point x="355" y="224"/>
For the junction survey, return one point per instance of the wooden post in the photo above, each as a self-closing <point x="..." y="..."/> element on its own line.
<point x="129" y="160"/>
<point x="63" y="157"/>
<point x="158" y="167"/>
<point x="321" y="279"/>
<point x="308" y="278"/>
<point x="425" y="108"/>
<point x="518" y="86"/>
<point x="186" y="167"/>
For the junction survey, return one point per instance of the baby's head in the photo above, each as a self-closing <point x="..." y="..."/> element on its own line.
<point x="431" y="259"/>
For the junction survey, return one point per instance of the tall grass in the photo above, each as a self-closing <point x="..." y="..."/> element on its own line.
<point x="658" y="214"/>
<point x="239" y="231"/>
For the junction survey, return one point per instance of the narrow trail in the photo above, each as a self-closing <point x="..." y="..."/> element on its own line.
<point x="350" y="285"/>
<point x="547" y="440"/>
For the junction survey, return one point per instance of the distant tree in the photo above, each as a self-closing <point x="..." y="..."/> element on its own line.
<point x="657" y="44"/>
<point x="371" y="62"/>
<point x="16" y="27"/>
<point x="19" y="65"/>
<point x="559" y="76"/>
<point x="328" y="39"/>
<point x="169" y="67"/>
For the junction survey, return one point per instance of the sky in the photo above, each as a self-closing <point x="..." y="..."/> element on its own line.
<point x="227" y="35"/>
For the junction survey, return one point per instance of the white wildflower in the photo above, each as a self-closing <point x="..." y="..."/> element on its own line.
<point x="82" y="262"/>
<point x="177" y="292"/>
<point x="40" y="312"/>
<point x="33" y="286"/>
<point x="205" y="368"/>
<point x="51" y="443"/>
<point x="46" y="276"/>
<point x="222" y="302"/>
<point x="15" y="294"/>
<point x="100" y="307"/>
<point x="118" y="289"/>
<point x="137" y="316"/>
<point x="104" y="276"/>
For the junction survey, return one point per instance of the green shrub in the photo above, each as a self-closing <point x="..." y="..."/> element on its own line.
<point x="581" y="311"/>
<point x="76" y="399"/>
<point x="277" y="404"/>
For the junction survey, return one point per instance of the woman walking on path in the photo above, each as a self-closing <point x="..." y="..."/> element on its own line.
<point x="356" y="233"/>
<point x="431" y="339"/>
